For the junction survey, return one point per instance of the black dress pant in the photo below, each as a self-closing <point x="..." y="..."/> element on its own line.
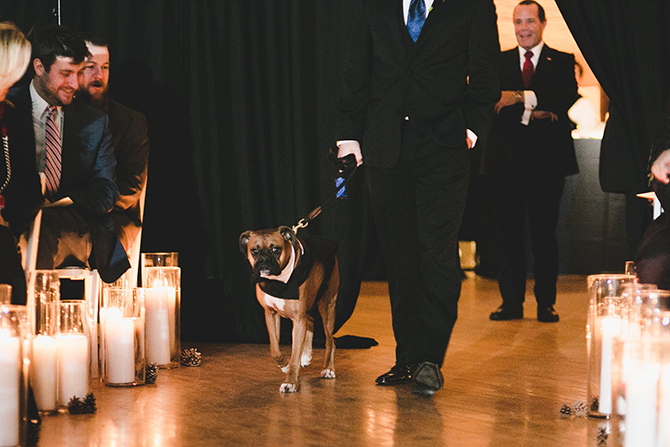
<point x="527" y="190"/>
<point x="417" y="207"/>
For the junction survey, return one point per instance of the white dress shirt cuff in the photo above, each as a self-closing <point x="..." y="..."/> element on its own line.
<point x="529" y="103"/>
<point x="472" y="136"/>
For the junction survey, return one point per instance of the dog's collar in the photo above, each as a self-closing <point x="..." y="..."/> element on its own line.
<point x="285" y="274"/>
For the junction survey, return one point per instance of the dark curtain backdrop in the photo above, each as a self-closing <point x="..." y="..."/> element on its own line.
<point x="240" y="98"/>
<point x="627" y="45"/>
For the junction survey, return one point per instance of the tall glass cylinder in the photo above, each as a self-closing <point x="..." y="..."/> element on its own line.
<point x="122" y="330"/>
<point x="14" y="364"/>
<point x="162" y="303"/>
<point x="166" y="259"/>
<point x="43" y="373"/>
<point x="605" y="324"/>
<point x="72" y="352"/>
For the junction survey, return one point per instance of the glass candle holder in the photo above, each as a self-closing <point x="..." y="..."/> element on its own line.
<point x="5" y="294"/>
<point x="167" y="259"/>
<point x="72" y="352"/>
<point x="122" y="331"/>
<point x="605" y="324"/>
<point x="14" y="365"/>
<point x="162" y="302"/>
<point x="43" y="373"/>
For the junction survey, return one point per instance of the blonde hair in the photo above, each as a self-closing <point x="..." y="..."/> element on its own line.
<point x="14" y="54"/>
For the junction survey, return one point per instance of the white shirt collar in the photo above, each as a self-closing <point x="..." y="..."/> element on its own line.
<point x="536" y="54"/>
<point x="39" y="104"/>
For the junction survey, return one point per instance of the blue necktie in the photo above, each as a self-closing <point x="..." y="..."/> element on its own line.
<point x="416" y="18"/>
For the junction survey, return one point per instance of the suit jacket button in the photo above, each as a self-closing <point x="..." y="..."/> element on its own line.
<point x="407" y="118"/>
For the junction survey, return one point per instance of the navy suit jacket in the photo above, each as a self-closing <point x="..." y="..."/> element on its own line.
<point x="444" y="83"/>
<point x="87" y="172"/>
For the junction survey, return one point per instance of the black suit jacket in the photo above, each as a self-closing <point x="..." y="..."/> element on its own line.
<point x="131" y="148"/>
<point x="443" y="84"/>
<point x="555" y="86"/>
<point x="87" y="172"/>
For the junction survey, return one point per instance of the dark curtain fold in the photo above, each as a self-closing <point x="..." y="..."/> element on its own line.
<point x="240" y="98"/>
<point x="626" y="44"/>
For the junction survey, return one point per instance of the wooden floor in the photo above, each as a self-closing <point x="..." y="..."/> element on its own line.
<point x="504" y="385"/>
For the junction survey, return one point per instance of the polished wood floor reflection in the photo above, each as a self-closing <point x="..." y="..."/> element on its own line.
<point x="505" y="383"/>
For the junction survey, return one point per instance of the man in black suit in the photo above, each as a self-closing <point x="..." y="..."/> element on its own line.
<point x="129" y="140"/>
<point x="420" y="80"/>
<point x="72" y="143"/>
<point x="529" y="154"/>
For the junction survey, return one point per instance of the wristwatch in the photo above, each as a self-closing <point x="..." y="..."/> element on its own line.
<point x="518" y="95"/>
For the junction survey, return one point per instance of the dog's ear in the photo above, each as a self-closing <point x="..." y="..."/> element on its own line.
<point x="244" y="240"/>
<point x="289" y="236"/>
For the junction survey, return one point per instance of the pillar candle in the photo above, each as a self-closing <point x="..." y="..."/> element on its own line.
<point x="10" y="372"/>
<point x="157" y="325"/>
<point x="43" y="372"/>
<point x="611" y="328"/>
<point x="664" y="408"/>
<point x="73" y="369"/>
<point x="120" y="348"/>
<point x="641" y="392"/>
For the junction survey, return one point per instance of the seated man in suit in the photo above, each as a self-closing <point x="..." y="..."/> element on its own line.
<point x="72" y="145"/>
<point x="129" y="140"/>
<point x="530" y="151"/>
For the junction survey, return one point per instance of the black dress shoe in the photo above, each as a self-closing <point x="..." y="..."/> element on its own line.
<point x="547" y="314"/>
<point x="400" y="373"/>
<point x="427" y="379"/>
<point x="506" y="313"/>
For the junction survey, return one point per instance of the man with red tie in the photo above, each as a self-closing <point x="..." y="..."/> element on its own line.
<point x="530" y="151"/>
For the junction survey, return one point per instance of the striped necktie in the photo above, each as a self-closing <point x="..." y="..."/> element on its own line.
<point x="53" y="153"/>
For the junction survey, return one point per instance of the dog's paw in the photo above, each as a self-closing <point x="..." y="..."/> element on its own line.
<point x="306" y="359"/>
<point x="288" y="388"/>
<point x="328" y="374"/>
<point x="284" y="369"/>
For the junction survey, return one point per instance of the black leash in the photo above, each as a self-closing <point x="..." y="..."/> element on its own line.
<point x="346" y="168"/>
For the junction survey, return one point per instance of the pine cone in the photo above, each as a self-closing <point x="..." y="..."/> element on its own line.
<point x="191" y="357"/>
<point x="603" y="434"/>
<point x="566" y="411"/>
<point x="77" y="406"/>
<point x="89" y="403"/>
<point x="579" y="408"/>
<point x="151" y="373"/>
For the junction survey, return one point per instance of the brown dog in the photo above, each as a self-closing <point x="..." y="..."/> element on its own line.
<point x="292" y="274"/>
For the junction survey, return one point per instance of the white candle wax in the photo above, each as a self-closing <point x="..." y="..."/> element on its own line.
<point x="73" y="369"/>
<point x="120" y="348"/>
<point x="641" y="390"/>
<point x="43" y="372"/>
<point x="10" y="373"/>
<point x="611" y="328"/>
<point x="157" y="325"/>
<point x="664" y="409"/>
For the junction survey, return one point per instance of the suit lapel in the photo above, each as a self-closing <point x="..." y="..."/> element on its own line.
<point x="544" y="63"/>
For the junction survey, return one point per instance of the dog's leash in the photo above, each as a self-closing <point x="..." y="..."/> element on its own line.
<point x="346" y="168"/>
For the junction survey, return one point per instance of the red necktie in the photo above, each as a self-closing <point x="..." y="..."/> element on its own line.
<point x="53" y="153"/>
<point x="528" y="69"/>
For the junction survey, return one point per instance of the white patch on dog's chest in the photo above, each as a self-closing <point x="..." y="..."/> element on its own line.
<point x="277" y="304"/>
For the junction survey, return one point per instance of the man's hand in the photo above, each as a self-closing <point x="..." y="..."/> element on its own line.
<point x="543" y="115"/>
<point x="661" y="167"/>
<point x="350" y="147"/>
<point x="508" y="98"/>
